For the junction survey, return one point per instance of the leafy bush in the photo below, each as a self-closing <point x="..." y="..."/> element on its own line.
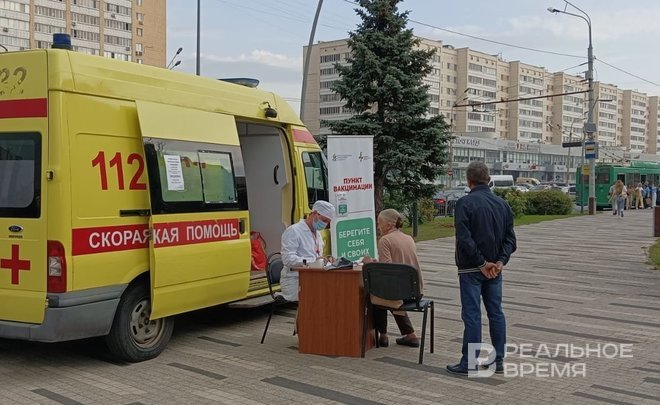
<point x="548" y="202"/>
<point x="426" y="210"/>
<point x="515" y="199"/>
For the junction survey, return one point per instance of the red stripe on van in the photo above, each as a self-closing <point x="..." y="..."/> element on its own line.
<point x="103" y="239"/>
<point x="27" y="108"/>
<point x="301" y="135"/>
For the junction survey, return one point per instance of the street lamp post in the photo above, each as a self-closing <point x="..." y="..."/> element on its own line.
<point x="308" y="56"/>
<point x="197" y="66"/>
<point x="590" y="118"/>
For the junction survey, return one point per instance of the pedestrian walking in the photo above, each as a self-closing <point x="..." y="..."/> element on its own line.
<point x="485" y="241"/>
<point x="619" y="195"/>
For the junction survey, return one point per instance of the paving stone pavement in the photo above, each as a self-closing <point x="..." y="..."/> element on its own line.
<point x="578" y="281"/>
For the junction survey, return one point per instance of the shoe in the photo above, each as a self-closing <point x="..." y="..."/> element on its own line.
<point x="383" y="341"/>
<point x="457" y="369"/>
<point x="614" y="213"/>
<point x="499" y="367"/>
<point x="406" y="341"/>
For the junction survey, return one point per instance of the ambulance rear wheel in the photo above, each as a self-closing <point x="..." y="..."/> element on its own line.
<point x="134" y="336"/>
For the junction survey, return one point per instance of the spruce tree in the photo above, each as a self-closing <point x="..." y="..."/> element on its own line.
<point x="382" y="82"/>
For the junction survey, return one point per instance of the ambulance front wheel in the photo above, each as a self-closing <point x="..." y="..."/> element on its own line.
<point x="134" y="336"/>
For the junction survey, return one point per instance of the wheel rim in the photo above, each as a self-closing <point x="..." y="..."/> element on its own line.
<point x="145" y="332"/>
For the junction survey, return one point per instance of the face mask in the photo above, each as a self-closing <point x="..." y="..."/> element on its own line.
<point x="319" y="225"/>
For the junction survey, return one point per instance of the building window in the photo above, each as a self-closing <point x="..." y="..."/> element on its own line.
<point x="139" y="32"/>
<point x="49" y="12"/>
<point x="330" y="58"/>
<point x="13" y="6"/>
<point x="139" y="17"/>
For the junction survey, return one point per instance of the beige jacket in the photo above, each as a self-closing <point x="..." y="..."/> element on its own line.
<point x="397" y="247"/>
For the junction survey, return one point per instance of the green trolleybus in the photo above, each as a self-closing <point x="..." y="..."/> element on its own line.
<point x="607" y="173"/>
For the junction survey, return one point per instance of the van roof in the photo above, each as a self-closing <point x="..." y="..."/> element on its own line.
<point x="82" y="73"/>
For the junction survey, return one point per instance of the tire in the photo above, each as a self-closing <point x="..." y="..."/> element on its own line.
<point x="133" y="336"/>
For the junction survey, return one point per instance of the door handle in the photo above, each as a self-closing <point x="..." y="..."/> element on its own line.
<point x="134" y="213"/>
<point x="275" y="169"/>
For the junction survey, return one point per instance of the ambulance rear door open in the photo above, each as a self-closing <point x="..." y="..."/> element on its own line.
<point x="200" y="246"/>
<point x="23" y="193"/>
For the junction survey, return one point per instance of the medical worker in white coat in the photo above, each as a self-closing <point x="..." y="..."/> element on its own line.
<point x="302" y="242"/>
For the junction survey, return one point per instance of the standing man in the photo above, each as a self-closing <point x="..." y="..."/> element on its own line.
<point x="302" y="243"/>
<point x="484" y="242"/>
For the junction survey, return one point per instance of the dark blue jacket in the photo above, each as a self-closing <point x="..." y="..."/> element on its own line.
<point x="484" y="229"/>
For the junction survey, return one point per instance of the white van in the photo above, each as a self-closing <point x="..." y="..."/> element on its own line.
<point x="500" y="181"/>
<point x="528" y="180"/>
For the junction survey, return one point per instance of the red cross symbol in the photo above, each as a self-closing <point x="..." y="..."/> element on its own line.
<point x="14" y="264"/>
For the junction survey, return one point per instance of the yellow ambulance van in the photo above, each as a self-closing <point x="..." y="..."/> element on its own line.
<point x="128" y="193"/>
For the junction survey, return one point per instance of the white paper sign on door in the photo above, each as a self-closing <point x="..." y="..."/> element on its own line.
<point x="174" y="173"/>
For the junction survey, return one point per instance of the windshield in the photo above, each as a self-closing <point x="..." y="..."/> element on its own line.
<point x="20" y="165"/>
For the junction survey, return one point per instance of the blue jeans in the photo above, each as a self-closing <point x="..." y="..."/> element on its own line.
<point x="620" y="201"/>
<point x="474" y="286"/>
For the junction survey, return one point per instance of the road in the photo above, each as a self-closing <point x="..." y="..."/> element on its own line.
<point x="573" y="282"/>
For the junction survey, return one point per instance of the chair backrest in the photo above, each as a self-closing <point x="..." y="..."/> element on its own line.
<point x="274" y="270"/>
<point x="391" y="281"/>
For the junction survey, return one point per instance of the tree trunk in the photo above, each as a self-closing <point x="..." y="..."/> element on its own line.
<point x="379" y="190"/>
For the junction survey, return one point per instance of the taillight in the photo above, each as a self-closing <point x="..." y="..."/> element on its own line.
<point x="439" y="201"/>
<point x="56" y="267"/>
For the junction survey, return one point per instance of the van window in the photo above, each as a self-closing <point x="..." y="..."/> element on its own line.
<point x="502" y="183"/>
<point x="194" y="176"/>
<point x="20" y="168"/>
<point x="316" y="177"/>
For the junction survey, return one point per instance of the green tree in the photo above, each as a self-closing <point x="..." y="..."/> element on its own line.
<point x="382" y="82"/>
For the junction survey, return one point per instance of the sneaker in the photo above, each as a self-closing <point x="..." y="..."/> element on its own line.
<point x="383" y="341"/>
<point x="457" y="370"/>
<point x="406" y="341"/>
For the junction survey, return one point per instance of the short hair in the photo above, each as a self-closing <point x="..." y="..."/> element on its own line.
<point x="392" y="217"/>
<point x="477" y="172"/>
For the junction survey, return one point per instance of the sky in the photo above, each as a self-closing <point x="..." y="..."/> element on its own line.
<point x="264" y="39"/>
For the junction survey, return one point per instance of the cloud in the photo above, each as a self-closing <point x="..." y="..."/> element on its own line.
<point x="261" y="57"/>
<point x="605" y="25"/>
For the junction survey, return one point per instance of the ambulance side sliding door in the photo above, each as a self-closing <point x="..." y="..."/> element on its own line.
<point x="200" y="247"/>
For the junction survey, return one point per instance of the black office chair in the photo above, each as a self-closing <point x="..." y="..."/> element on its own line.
<point x="392" y="281"/>
<point x="273" y="271"/>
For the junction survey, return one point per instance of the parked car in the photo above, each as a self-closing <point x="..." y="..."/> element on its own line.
<point x="540" y="187"/>
<point x="572" y="191"/>
<point x="445" y="201"/>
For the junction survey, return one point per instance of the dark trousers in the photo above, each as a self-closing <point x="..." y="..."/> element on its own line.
<point x="475" y="286"/>
<point x="402" y="321"/>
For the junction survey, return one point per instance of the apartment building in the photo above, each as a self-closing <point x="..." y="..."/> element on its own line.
<point x="608" y="114"/>
<point x="567" y="113"/>
<point x="653" y="125"/>
<point x="131" y="30"/>
<point x="634" y="121"/>
<point x="477" y="83"/>
<point x="461" y="77"/>
<point x="526" y="117"/>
